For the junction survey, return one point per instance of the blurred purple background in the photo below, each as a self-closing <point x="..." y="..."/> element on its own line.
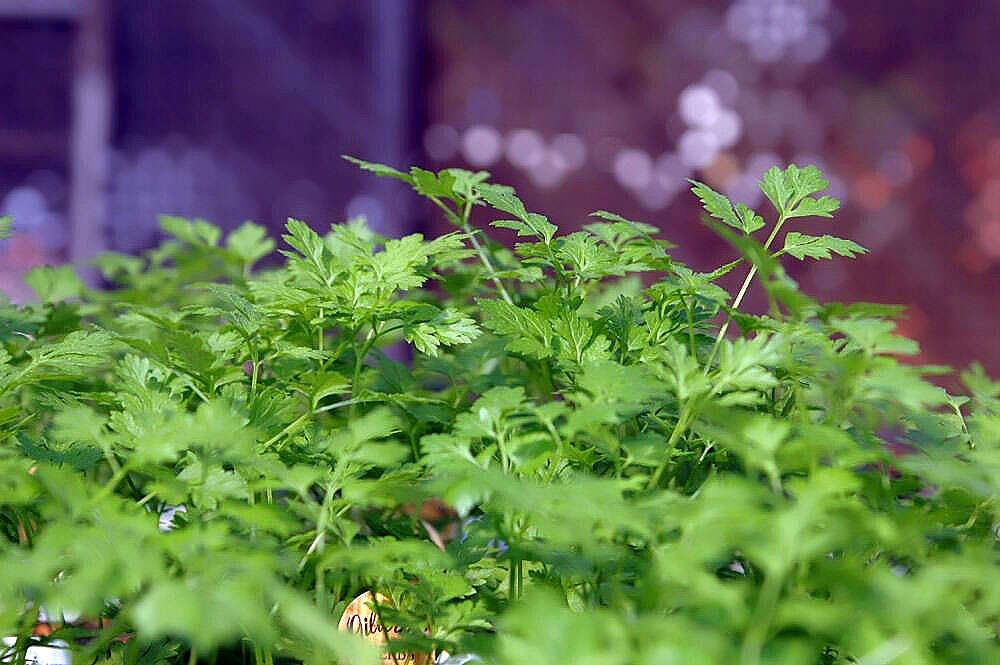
<point x="229" y="110"/>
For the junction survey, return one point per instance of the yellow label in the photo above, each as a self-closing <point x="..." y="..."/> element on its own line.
<point x="361" y="619"/>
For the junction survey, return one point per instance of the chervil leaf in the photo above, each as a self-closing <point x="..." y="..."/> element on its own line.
<point x="824" y="206"/>
<point x="718" y="206"/>
<point x="379" y="169"/>
<point x="198" y="233"/>
<point x="804" y="181"/>
<point x="250" y="243"/>
<point x="526" y="224"/>
<point x="776" y="188"/>
<point x="447" y="328"/>
<point x="801" y="246"/>
<point x="874" y="336"/>
<point x="789" y="191"/>
<point x="306" y="241"/>
<point x="241" y="312"/>
<point x="52" y="285"/>
<point x="428" y="183"/>
<point x="749" y="220"/>
<point x="630" y="229"/>
<point x="683" y="490"/>
<point x="530" y="331"/>
<point x="398" y="265"/>
<point x="465" y="182"/>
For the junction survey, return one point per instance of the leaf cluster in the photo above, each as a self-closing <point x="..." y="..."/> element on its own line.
<point x="535" y="454"/>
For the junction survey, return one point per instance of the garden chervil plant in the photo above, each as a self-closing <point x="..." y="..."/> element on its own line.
<point x="572" y="464"/>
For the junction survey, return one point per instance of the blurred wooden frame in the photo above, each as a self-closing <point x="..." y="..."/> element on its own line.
<point x="92" y="110"/>
<point x="395" y="87"/>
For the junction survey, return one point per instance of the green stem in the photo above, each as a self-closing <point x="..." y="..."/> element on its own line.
<point x="255" y="359"/>
<point x="679" y="428"/>
<point x="516" y="579"/>
<point x="295" y="423"/>
<point x="337" y="405"/>
<point x="463" y="223"/>
<point x="739" y="296"/>
<point x="359" y="361"/>
<point x="467" y="227"/>
<point x="108" y="488"/>
<point x="197" y="391"/>
<point x="413" y="446"/>
<point x="690" y="321"/>
<point x="13" y="383"/>
<point x="288" y="428"/>
<point x="319" y="334"/>
<point x="760" y="622"/>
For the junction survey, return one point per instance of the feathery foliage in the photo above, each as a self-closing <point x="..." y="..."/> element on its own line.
<point x="572" y="465"/>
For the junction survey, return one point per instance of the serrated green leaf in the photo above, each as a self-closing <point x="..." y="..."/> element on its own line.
<point x="242" y="313"/>
<point x="378" y="169"/>
<point x="801" y="246"/>
<point x="531" y="334"/>
<point x="447" y="328"/>
<point x="663" y="476"/>
<point x="197" y="233"/>
<point x="824" y="206"/>
<point x="250" y="243"/>
<point x="718" y="206"/>
<point x="874" y="336"/>
<point x="54" y="284"/>
<point x="503" y="199"/>
<point x="790" y="191"/>
<point x="430" y="184"/>
<point x="303" y="239"/>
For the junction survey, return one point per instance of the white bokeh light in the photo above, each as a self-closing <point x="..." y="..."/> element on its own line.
<point x="671" y="171"/>
<point x="724" y="84"/>
<point x="633" y="168"/>
<point x="550" y="171"/>
<point x="813" y="47"/>
<point x="31" y="212"/>
<point x="698" y="147"/>
<point x="727" y="128"/>
<point x="481" y="145"/>
<point x="655" y="197"/>
<point x="571" y="149"/>
<point x="699" y="105"/>
<point x="525" y="148"/>
<point x="773" y="29"/>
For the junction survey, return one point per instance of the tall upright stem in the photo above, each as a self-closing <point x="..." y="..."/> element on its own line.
<point x="467" y="227"/>
<point x="484" y="258"/>
<point x="740" y="294"/>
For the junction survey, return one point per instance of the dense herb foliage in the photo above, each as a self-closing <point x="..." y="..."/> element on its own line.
<point x="540" y="455"/>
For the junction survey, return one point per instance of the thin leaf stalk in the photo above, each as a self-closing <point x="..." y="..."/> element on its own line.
<point x="740" y="295"/>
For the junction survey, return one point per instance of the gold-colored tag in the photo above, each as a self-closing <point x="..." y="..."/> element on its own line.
<point x="361" y="619"/>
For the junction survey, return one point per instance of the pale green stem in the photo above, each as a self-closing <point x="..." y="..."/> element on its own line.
<point x="463" y="221"/>
<point x="760" y="622"/>
<point x="682" y="423"/>
<point x="292" y="425"/>
<point x="740" y="294"/>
